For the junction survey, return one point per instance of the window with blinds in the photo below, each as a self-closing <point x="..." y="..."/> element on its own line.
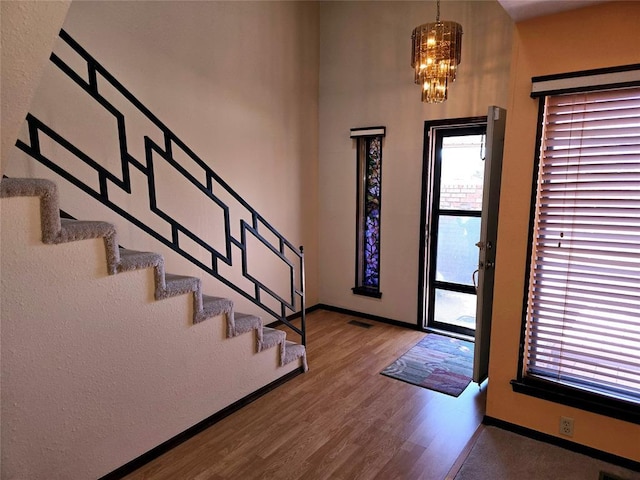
<point x="582" y="319"/>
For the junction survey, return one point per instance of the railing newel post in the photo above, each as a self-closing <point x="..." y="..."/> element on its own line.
<point x="303" y="307"/>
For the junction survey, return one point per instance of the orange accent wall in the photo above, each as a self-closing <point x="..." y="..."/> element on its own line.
<point x="600" y="36"/>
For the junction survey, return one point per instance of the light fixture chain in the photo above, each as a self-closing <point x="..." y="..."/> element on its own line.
<point x="438" y="11"/>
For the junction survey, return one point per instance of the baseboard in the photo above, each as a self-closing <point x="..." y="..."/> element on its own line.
<point x="345" y="311"/>
<point x="353" y="313"/>
<point x="310" y="309"/>
<point x="560" y="442"/>
<point x="173" y="442"/>
<point x="293" y="316"/>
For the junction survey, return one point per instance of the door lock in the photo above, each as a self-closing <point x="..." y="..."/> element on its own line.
<point x="481" y="245"/>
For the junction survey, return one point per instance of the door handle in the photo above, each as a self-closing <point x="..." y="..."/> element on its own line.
<point x="488" y="245"/>
<point x="484" y="266"/>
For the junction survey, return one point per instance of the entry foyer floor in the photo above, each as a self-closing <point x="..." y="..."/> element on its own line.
<point x="341" y="420"/>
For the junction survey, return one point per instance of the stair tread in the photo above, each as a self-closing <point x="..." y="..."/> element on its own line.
<point x="70" y="222"/>
<point x="175" y="277"/>
<point x="294" y="351"/>
<point x="127" y="252"/>
<point x="60" y="230"/>
<point x="269" y="329"/>
<point x="84" y="229"/>
<point x="214" y="306"/>
<point x="272" y="337"/>
<point x="212" y="299"/>
<point x="179" y="284"/>
<point x="133" y="259"/>
<point x="244" y="322"/>
<point x="245" y="316"/>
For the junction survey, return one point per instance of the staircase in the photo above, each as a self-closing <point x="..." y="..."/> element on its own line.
<point x="105" y="355"/>
<point x="56" y="230"/>
<point x="228" y="231"/>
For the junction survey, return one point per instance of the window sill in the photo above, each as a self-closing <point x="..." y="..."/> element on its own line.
<point x="366" y="292"/>
<point x="590" y="402"/>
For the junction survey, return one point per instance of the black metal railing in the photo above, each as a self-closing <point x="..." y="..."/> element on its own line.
<point x="254" y="225"/>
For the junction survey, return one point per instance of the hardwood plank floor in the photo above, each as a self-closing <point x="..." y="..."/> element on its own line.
<point x="342" y="420"/>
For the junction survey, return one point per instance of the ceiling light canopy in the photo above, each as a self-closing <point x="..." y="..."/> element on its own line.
<point x="435" y="55"/>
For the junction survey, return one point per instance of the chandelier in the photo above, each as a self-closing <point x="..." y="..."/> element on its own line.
<point x="435" y="55"/>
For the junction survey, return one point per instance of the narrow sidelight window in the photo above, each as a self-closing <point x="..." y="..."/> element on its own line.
<point x="369" y="147"/>
<point x="581" y="336"/>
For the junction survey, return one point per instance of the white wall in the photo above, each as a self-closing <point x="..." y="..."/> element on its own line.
<point x="366" y="80"/>
<point x="236" y="81"/>
<point x="28" y="31"/>
<point x="95" y="372"/>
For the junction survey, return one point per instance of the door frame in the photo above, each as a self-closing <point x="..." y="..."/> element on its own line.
<point x="426" y="201"/>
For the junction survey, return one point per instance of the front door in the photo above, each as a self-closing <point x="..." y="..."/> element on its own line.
<point x="488" y="240"/>
<point x="461" y="192"/>
<point x="455" y="183"/>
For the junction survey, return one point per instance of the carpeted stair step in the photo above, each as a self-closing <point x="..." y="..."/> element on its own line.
<point x="74" y="230"/>
<point x="269" y="338"/>
<point x="134" y="260"/>
<point x="56" y="230"/>
<point x="243" y="323"/>
<point x="214" y="306"/>
<point x="178" y="285"/>
<point x="294" y="351"/>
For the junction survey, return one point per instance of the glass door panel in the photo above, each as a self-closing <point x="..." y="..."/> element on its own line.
<point x="457" y="254"/>
<point x="456" y="207"/>
<point x="455" y="308"/>
<point x="462" y="173"/>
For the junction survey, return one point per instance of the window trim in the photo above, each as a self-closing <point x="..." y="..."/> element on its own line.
<point x="586" y="80"/>
<point x="363" y="137"/>
<point x="573" y="82"/>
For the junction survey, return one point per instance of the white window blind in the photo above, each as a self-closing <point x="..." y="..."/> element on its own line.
<point x="583" y="312"/>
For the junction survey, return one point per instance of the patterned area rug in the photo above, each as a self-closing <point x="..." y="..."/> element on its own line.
<point x="438" y="363"/>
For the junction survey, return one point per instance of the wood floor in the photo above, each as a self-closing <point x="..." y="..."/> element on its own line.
<point x="341" y="420"/>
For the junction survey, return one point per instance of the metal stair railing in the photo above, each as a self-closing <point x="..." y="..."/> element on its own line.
<point x="250" y="226"/>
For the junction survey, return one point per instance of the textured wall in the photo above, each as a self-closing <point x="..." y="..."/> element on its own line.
<point x="95" y="372"/>
<point x="236" y="81"/>
<point x="366" y="80"/>
<point x="28" y="31"/>
<point x="570" y="36"/>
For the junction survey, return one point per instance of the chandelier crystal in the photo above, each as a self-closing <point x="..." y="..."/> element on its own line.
<point x="435" y="55"/>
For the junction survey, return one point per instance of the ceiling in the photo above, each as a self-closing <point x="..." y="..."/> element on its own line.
<point x="520" y="10"/>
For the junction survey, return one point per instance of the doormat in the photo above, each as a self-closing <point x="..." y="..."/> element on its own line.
<point x="439" y="363"/>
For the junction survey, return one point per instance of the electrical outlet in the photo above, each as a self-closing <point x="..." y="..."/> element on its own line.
<point x="566" y="426"/>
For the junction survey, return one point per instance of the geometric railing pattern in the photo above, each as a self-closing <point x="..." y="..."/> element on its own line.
<point x="252" y="228"/>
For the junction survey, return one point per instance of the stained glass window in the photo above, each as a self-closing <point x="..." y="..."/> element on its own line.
<point x="369" y="203"/>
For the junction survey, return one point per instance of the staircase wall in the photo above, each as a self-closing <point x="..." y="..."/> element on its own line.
<point x="96" y="372"/>
<point x="236" y="81"/>
<point x="29" y="30"/>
